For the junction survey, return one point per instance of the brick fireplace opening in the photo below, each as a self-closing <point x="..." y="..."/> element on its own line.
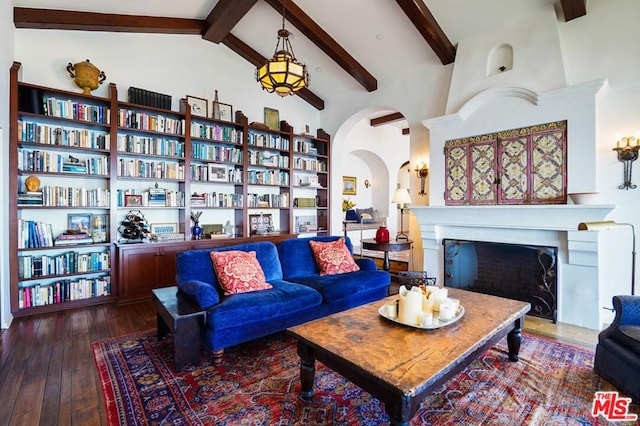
<point x="522" y="272"/>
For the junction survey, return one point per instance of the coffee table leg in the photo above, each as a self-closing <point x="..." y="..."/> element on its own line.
<point x="307" y="371"/>
<point x="400" y="409"/>
<point x="513" y="340"/>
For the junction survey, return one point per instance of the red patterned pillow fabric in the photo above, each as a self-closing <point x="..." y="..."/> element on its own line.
<point x="238" y="271"/>
<point x="333" y="257"/>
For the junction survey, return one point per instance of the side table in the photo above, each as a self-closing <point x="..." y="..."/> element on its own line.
<point x="184" y="318"/>
<point x="372" y="244"/>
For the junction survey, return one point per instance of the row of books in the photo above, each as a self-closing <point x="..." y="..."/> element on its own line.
<point x="308" y="164"/>
<point x="62" y="136"/>
<point x="216" y="133"/>
<point x="305" y="202"/>
<point x="150" y="145"/>
<point x="149" y="98"/>
<point x="306" y="147"/>
<point x="266" y="140"/>
<point x="171" y="199"/>
<point x="268" y="177"/>
<point x="46" y="161"/>
<point x="216" y="173"/>
<point x="216" y="199"/>
<point x="141" y="120"/>
<point x="60" y="264"/>
<point x="268" y="159"/>
<point x="268" y="200"/>
<point x="203" y="151"/>
<point x="63" y="291"/>
<point x="132" y="167"/>
<point x="60" y="196"/>
<point x="34" y="234"/>
<point x="74" y="110"/>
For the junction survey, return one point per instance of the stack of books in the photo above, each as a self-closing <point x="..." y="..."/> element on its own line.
<point x="69" y="239"/>
<point x="30" y="198"/>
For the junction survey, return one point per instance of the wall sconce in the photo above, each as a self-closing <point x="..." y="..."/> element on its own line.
<point x="367" y="184"/>
<point x="627" y="154"/>
<point x="422" y="172"/>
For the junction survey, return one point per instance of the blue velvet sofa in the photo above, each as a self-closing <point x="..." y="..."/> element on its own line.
<point x="617" y="357"/>
<point x="299" y="292"/>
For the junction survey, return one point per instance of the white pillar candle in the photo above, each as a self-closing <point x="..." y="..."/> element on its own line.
<point x="427" y="304"/>
<point x="439" y="296"/>
<point x="410" y="305"/>
<point x="392" y="309"/>
<point x="426" y="319"/>
<point x="447" y="310"/>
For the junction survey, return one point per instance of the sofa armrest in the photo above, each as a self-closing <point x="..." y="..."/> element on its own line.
<point x="205" y="294"/>
<point x="366" y="264"/>
<point x="627" y="310"/>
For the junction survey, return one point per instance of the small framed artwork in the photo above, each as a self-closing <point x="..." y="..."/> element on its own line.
<point x="272" y="118"/>
<point x="198" y="106"/>
<point x="218" y="173"/>
<point x="133" y="200"/>
<point x="260" y="224"/>
<point x="164" y="228"/>
<point x="224" y="112"/>
<point x="348" y="185"/>
<point x="79" y="222"/>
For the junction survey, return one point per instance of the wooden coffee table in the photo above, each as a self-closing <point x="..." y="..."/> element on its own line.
<point x="401" y="365"/>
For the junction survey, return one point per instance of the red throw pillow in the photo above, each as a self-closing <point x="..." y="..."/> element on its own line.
<point x="333" y="257"/>
<point x="238" y="271"/>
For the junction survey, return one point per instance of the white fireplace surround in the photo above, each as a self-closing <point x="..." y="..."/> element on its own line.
<point x="581" y="287"/>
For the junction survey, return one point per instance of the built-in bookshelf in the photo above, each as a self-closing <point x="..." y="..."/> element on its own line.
<point x="98" y="159"/>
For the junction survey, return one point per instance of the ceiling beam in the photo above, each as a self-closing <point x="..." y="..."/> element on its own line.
<point x="385" y="119"/>
<point x="325" y="42"/>
<point x="573" y="9"/>
<point x="52" y="19"/>
<point x="224" y="16"/>
<point x="427" y="25"/>
<point x="256" y="59"/>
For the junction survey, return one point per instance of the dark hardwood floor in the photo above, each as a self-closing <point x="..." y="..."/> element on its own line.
<point x="48" y="375"/>
<point x="47" y="372"/>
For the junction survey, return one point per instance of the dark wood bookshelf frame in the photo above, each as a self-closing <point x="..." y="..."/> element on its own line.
<point x="119" y="284"/>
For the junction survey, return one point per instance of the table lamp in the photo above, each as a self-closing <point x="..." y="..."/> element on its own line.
<point x="402" y="198"/>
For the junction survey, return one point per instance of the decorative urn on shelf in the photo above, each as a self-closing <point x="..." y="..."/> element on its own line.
<point x="86" y="76"/>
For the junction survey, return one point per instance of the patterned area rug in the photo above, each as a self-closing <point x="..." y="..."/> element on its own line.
<point x="258" y="383"/>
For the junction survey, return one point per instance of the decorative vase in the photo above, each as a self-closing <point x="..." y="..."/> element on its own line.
<point x="196" y="231"/>
<point x="382" y="235"/>
<point x="86" y="76"/>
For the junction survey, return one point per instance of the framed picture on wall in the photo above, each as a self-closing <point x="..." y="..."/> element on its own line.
<point x="348" y="185"/>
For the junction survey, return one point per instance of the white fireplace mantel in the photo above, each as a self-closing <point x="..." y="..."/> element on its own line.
<point x="552" y="217"/>
<point x="580" y="296"/>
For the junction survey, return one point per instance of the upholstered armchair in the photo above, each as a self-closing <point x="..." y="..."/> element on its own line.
<point x="618" y="351"/>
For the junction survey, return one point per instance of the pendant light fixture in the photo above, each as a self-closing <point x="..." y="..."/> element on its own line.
<point x="283" y="73"/>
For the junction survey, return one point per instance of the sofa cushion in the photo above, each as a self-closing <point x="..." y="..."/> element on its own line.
<point x="297" y="258"/>
<point x="283" y="299"/>
<point x="628" y="336"/>
<point x="238" y="271"/>
<point x="333" y="257"/>
<point x="205" y="294"/>
<point x="345" y="286"/>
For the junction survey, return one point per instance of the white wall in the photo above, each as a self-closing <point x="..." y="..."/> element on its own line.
<point x="6" y="59"/>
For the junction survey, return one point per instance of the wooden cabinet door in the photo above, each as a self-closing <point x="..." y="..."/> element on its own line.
<point x="513" y="165"/>
<point x="457" y="174"/>
<point x="166" y="261"/>
<point x="549" y="166"/>
<point x="483" y="173"/>
<point x="137" y="273"/>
